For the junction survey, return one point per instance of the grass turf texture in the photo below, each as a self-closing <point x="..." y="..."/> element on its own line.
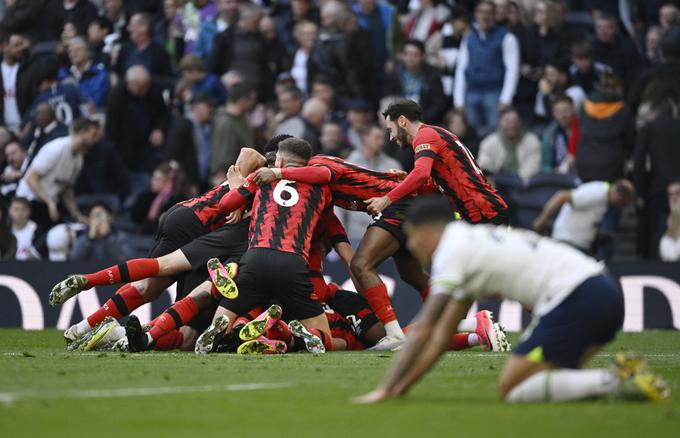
<point x="40" y="384"/>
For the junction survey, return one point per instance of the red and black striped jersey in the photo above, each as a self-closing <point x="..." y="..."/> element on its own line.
<point x="285" y="214"/>
<point x="206" y="206"/>
<point x="457" y="175"/>
<point x="351" y="184"/>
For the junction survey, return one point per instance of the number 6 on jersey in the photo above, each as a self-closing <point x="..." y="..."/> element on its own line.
<point x="283" y="187"/>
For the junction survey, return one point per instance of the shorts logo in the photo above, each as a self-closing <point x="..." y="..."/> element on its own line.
<point x="422" y="147"/>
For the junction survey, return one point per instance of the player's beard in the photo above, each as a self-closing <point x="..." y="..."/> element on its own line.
<point x="403" y="138"/>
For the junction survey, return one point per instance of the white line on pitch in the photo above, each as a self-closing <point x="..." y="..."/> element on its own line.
<point x="8" y="398"/>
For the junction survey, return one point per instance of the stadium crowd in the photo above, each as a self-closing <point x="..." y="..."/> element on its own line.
<point x="115" y="110"/>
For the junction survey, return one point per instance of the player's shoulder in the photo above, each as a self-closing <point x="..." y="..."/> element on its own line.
<point x="431" y="137"/>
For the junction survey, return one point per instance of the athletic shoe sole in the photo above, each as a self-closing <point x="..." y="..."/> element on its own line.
<point x="262" y="346"/>
<point x="64" y="290"/>
<point x="205" y="342"/>
<point x="312" y="342"/>
<point x="259" y="326"/>
<point x="99" y="333"/>
<point x="221" y="279"/>
<point x="135" y="335"/>
<point x="498" y="339"/>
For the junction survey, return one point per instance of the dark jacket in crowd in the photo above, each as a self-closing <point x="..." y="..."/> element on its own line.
<point x="432" y="99"/>
<point x="153" y="57"/>
<point x="104" y="171"/>
<point x="25" y="88"/>
<point x="657" y="143"/>
<point x="667" y="73"/>
<point x="117" y="247"/>
<point x="538" y="50"/>
<point x="622" y="57"/>
<point x="81" y="14"/>
<point x="140" y="210"/>
<point x="181" y="147"/>
<point x="607" y="138"/>
<point x="285" y="24"/>
<point x="129" y="122"/>
<point x="240" y="51"/>
<point x="38" y="137"/>
<point x="26" y="16"/>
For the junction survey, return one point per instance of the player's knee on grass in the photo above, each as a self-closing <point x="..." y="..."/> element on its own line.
<point x="516" y="370"/>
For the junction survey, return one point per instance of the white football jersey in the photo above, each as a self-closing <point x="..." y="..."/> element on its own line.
<point x="485" y="261"/>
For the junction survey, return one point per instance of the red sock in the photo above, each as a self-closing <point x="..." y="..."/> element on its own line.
<point x="170" y="341"/>
<point x="279" y="332"/>
<point x="424" y="293"/>
<point x="122" y="303"/>
<point x="325" y="338"/>
<point x="380" y="303"/>
<point x="459" y="341"/>
<point x="132" y="270"/>
<point x="176" y="316"/>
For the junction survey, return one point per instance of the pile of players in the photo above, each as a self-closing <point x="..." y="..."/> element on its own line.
<point x="248" y="255"/>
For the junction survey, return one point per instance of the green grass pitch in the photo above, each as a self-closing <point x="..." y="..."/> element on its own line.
<point x="47" y="392"/>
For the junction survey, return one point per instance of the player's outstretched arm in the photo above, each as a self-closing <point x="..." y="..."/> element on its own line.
<point x="415" y="180"/>
<point x="551" y="208"/>
<point x="416" y="341"/>
<point x="317" y="175"/>
<point x="232" y="201"/>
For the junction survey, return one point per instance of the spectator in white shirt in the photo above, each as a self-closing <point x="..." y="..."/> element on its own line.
<point x="23" y="229"/>
<point x="305" y="34"/>
<point x="488" y="70"/>
<point x="51" y="176"/>
<point x="581" y="211"/>
<point x="669" y="248"/>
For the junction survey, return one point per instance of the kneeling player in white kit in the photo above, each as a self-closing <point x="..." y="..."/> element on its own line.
<point x="577" y="309"/>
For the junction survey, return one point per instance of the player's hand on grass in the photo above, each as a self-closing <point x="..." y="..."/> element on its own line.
<point x="376" y="396"/>
<point x="376" y="205"/>
<point x="264" y="175"/>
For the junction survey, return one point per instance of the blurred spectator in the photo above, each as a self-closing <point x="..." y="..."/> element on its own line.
<point x="457" y="123"/>
<point x="554" y="83"/>
<point x="305" y="36"/>
<point x="105" y="176"/>
<point x="561" y="138"/>
<point x="27" y="17"/>
<point x="380" y="19"/>
<point x="136" y="122"/>
<point x="488" y="70"/>
<point x="584" y="71"/>
<point x="348" y="67"/>
<point x="414" y="79"/>
<point x="100" y="241"/>
<point x="8" y="243"/>
<point x="226" y="18"/>
<point x="166" y="188"/>
<point x="23" y="228"/>
<point x="100" y="37"/>
<point x="299" y="10"/>
<point x="314" y="113"/>
<point x="68" y="32"/>
<point x="669" y="247"/>
<point x="656" y="165"/>
<point x="79" y="12"/>
<point x="582" y="210"/>
<point x="358" y="120"/>
<point x="615" y="50"/>
<point x="114" y="11"/>
<point x="193" y="15"/>
<point x="17" y="82"/>
<point x="194" y="72"/>
<point x="168" y="31"/>
<point x="49" y="179"/>
<point x="289" y="119"/>
<point x="332" y="142"/>
<point x="607" y="133"/>
<point x="91" y="79"/>
<point x="17" y="163"/>
<point x="64" y="98"/>
<point x="142" y="50"/>
<point x="241" y="49"/>
<point x="60" y="240"/>
<point x="371" y="155"/>
<point x="277" y="59"/>
<point x="669" y="16"/>
<point x="323" y="89"/>
<point x="231" y="130"/>
<point x="653" y="45"/>
<point x="511" y="149"/>
<point x="426" y="20"/>
<point x="443" y="48"/>
<point x="189" y="140"/>
<point x="47" y="128"/>
<point x="658" y="82"/>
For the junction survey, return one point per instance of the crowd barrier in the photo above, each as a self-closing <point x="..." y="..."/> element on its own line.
<point x="652" y="296"/>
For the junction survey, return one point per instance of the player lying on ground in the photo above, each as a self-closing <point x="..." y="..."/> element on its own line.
<point x="183" y="241"/>
<point x="576" y="311"/>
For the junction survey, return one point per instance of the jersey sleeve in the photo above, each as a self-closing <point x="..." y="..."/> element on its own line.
<point x="310" y="174"/>
<point x="425" y="148"/>
<point x="447" y="273"/>
<point x="237" y="198"/>
<point x="590" y="194"/>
